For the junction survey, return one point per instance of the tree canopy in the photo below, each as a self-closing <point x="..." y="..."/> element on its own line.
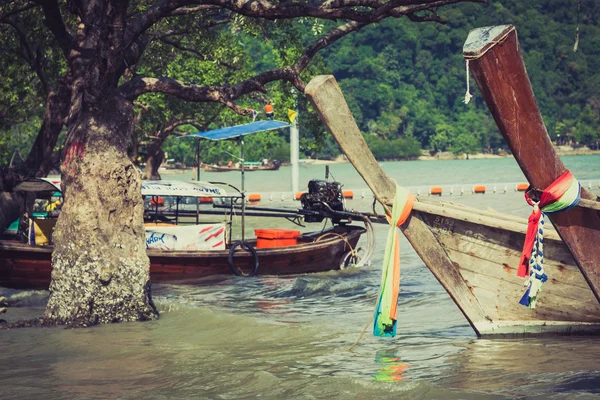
<point x="404" y="81"/>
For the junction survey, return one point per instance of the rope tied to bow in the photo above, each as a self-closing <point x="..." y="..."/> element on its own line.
<point x="387" y="303"/>
<point x="563" y="194"/>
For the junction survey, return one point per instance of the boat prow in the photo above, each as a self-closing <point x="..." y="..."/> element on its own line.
<point x="472" y="253"/>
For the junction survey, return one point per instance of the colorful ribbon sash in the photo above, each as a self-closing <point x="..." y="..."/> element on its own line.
<point x="387" y="303"/>
<point x="564" y="193"/>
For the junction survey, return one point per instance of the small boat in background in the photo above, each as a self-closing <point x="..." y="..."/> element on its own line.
<point x="248" y="167"/>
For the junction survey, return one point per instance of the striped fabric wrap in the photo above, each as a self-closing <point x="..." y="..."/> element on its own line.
<point x="564" y="193"/>
<point x="387" y="302"/>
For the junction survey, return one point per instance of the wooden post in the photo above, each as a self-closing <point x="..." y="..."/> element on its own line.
<point x="495" y="60"/>
<point x="327" y="98"/>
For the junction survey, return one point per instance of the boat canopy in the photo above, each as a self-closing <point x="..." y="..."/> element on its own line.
<point x="239" y="130"/>
<point x="184" y="189"/>
<point x="149" y="188"/>
<point x="38" y="185"/>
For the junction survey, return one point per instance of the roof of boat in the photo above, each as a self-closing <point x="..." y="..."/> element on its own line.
<point x="149" y="188"/>
<point x="239" y="130"/>
<point x="184" y="189"/>
<point x="38" y="185"/>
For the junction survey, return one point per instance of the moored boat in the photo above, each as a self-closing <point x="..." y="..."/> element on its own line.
<point x="494" y="57"/>
<point x="274" y="166"/>
<point x="474" y="254"/>
<point x="190" y="252"/>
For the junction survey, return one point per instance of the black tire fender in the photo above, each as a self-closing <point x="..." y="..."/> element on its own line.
<point x="247" y="246"/>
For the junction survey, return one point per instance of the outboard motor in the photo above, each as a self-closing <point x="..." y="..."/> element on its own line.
<point x="322" y="192"/>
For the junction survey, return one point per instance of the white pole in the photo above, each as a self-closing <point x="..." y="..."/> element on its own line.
<point x="294" y="154"/>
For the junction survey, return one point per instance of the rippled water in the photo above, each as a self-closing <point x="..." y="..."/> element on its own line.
<point x="238" y="338"/>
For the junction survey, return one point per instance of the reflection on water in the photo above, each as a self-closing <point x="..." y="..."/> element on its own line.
<point x="228" y="337"/>
<point x="393" y="368"/>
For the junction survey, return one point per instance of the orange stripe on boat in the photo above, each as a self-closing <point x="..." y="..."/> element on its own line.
<point x="206" y="200"/>
<point x="212" y="235"/>
<point x="206" y="229"/>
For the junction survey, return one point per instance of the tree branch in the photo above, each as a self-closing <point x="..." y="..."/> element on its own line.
<point x="202" y="56"/>
<point x="27" y="6"/>
<point x="366" y="11"/>
<point x="32" y="55"/>
<point x="57" y="26"/>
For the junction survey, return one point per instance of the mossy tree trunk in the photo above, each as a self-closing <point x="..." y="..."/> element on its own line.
<point x="100" y="267"/>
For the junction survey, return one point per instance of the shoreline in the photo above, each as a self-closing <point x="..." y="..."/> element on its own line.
<point x="560" y="151"/>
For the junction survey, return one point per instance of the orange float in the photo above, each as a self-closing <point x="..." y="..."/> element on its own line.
<point x="254" y="197"/>
<point x="435" y="190"/>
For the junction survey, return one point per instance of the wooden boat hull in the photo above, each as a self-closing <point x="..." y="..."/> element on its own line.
<point x="24" y="266"/>
<point x="482" y="250"/>
<point x="473" y="254"/>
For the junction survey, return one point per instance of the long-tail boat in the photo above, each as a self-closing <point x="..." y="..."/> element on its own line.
<point x="474" y="254"/>
<point x="185" y="253"/>
<point x="495" y="59"/>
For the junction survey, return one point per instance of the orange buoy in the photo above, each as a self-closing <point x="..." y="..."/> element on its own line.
<point x="206" y="199"/>
<point x="254" y="197"/>
<point x="521" y="187"/>
<point x="298" y="195"/>
<point x="435" y="190"/>
<point x="348" y="194"/>
<point x="479" y="189"/>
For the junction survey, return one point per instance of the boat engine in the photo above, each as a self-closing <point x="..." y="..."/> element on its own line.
<point x="321" y="197"/>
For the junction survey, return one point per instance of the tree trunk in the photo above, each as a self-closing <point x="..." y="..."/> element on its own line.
<point x="100" y="268"/>
<point x="155" y="158"/>
<point x="39" y="161"/>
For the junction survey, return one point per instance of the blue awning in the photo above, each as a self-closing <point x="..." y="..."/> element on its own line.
<point x="239" y="130"/>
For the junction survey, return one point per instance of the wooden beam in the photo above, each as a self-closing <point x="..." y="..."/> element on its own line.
<point x="327" y="98"/>
<point x="497" y="64"/>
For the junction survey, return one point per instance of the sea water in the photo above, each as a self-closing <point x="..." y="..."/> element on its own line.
<point x="228" y="337"/>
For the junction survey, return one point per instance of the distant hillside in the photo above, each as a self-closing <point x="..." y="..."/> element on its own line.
<point x="406" y="80"/>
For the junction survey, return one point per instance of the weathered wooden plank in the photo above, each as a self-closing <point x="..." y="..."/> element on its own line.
<point x="556" y="300"/>
<point x="497" y="65"/>
<point x="504" y="247"/>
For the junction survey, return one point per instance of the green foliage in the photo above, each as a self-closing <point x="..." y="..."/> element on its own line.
<point x="404" y="79"/>
<point x="17" y="140"/>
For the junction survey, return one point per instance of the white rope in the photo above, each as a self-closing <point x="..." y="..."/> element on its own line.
<point x="468" y="95"/>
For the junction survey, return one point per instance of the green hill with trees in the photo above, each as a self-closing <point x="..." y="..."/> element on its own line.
<point x="407" y="81"/>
